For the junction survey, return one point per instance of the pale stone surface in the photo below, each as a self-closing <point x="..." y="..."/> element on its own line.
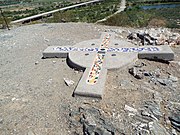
<point x="165" y="54"/>
<point x="51" y="53"/>
<point x="118" y="54"/>
<point x="96" y="90"/>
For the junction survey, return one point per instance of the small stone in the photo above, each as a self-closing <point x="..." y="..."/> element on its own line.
<point x="139" y="76"/>
<point x="13" y="99"/>
<point x="88" y="130"/>
<point x="145" y="113"/>
<point x="175" y="120"/>
<point x="179" y="63"/>
<point x="157" y="72"/>
<point x="54" y="62"/>
<point x="30" y="133"/>
<point x="133" y="71"/>
<point x="75" y="71"/>
<point x="148" y="114"/>
<point x="68" y="82"/>
<point x="164" y="82"/>
<point x="50" y="81"/>
<point x="157" y="129"/>
<point x="126" y="84"/>
<point x="47" y="40"/>
<point x="1" y="120"/>
<point x="107" y="133"/>
<point x="140" y="65"/>
<point x="37" y="62"/>
<point x="24" y="100"/>
<point x="131" y="114"/>
<point x="157" y="97"/>
<point x="173" y="78"/>
<point x="147" y="73"/>
<point x="90" y="121"/>
<point x="136" y="73"/>
<point x="130" y="109"/>
<point x="153" y="109"/>
<point x="142" y="125"/>
<point x="173" y="132"/>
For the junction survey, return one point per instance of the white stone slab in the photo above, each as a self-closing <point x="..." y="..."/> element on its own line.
<point x="54" y="52"/>
<point x="96" y="90"/>
<point x="165" y="53"/>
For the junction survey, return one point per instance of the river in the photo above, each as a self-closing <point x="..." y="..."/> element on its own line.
<point x="158" y="6"/>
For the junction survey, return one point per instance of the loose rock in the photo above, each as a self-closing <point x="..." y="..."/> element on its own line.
<point x="157" y="129"/>
<point x="154" y="37"/>
<point x="68" y="82"/>
<point x="137" y="73"/>
<point x="130" y="109"/>
<point x="173" y="78"/>
<point x="175" y="120"/>
<point x="37" y="62"/>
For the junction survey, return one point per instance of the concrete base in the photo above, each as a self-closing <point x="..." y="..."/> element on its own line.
<point x="96" y="90"/>
<point x="121" y="53"/>
<point x="51" y="53"/>
<point x="165" y="53"/>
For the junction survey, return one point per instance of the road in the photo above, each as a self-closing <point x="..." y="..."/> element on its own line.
<point x="53" y="11"/>
<point x="122" y="8"/>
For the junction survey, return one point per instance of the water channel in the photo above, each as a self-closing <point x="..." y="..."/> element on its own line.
<point x="159" y="6"/>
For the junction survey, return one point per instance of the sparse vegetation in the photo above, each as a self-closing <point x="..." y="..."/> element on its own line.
<point x="15" y="9"/>
<point x="88" y="14"/>
<point x="133" y="16"/>
<point x="2" y="22"/>
<point x="137" y="17"/>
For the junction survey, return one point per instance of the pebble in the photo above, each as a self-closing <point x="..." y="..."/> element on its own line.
<point x="90" y="120"/>
<point x="157" y="129"/>
<point x="173" y="132"/>
<point x="13" y="99"/>
<point x="68" y="82"/>
<point x="175" y="120"/>
<point x="173" y="78"/>
<point x="165" y="82"/>
<point x="130" y="109"/>
<point x="147" y="114"/>
<point x="24" y="100"/>
<point x="179" y="63"/>
<point x="50" y="81"/>
<point x="30" y="133"/>
<point x="153" y="107"/>
<point x="136" y="73"/>
<point x="37" y="62"/>
<point x="1" y="120"/>
<point x="75" y="71"/>
<point x="47" y="40"/>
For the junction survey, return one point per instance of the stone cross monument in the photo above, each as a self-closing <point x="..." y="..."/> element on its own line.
<point x="98" y="55"/>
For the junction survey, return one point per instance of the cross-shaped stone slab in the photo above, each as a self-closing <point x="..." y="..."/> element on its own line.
<point x="98" y="55"/>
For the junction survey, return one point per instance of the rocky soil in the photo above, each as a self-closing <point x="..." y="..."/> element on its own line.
<point x="141" y="99"/>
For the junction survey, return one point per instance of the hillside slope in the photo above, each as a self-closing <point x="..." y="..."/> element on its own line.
<point x="34" y="99"/>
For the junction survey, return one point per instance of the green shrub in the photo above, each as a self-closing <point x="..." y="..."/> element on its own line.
<point x="136" y="17"/>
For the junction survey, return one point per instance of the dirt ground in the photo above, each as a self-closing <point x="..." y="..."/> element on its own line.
<point x="34" y="100"/>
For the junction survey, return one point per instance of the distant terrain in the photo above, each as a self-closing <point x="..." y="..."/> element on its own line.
<point x="133" y="16"/>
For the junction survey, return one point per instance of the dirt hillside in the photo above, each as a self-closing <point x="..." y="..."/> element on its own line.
<point x="34" y="99"/>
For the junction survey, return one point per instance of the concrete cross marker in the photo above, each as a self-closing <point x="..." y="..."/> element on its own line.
<point x="98" y="55"/>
